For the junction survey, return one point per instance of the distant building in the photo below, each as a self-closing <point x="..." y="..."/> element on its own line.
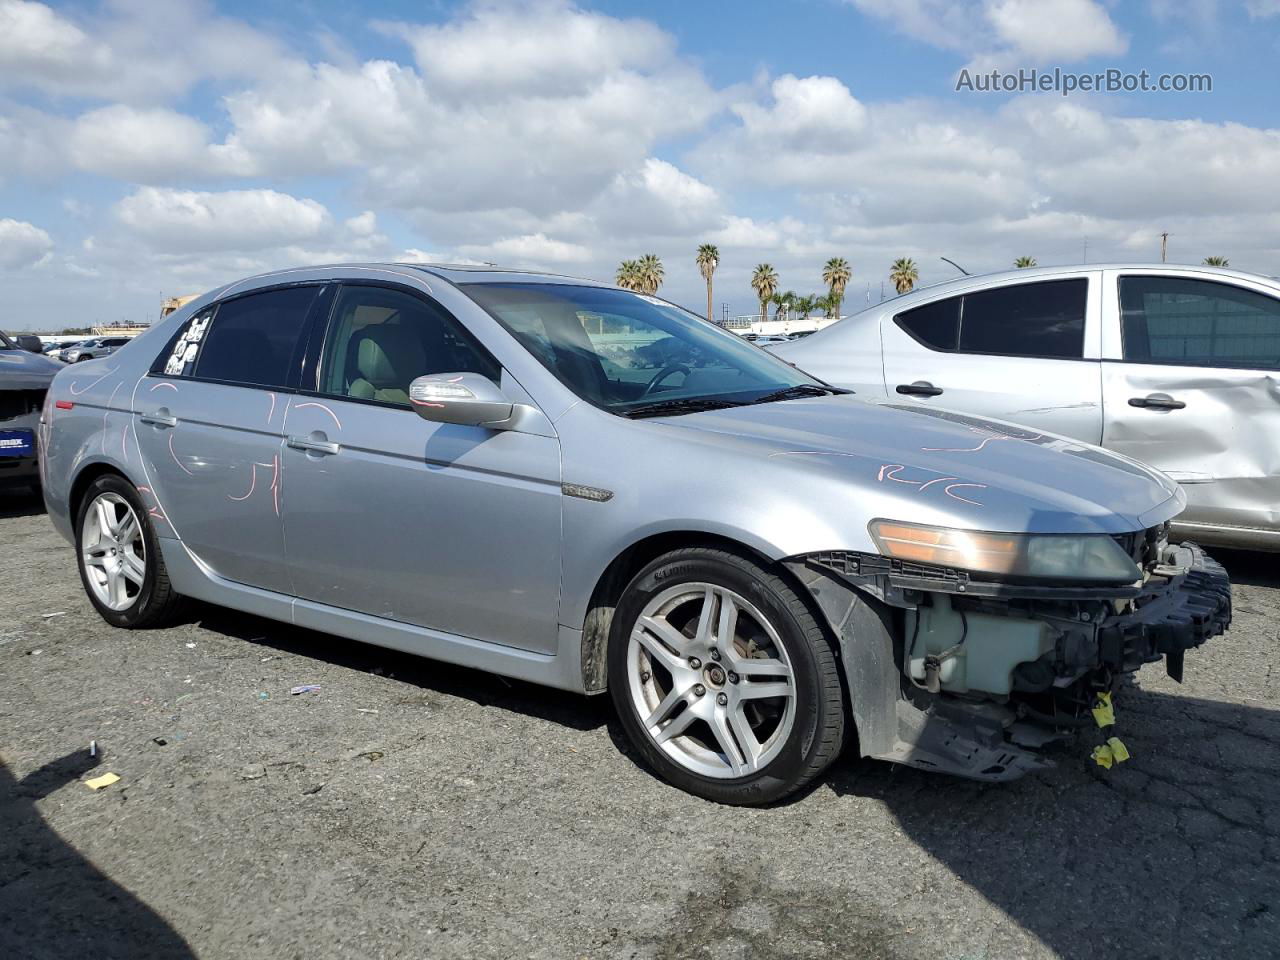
<point x="752" y="325"/>
<point x="176" y="303"/>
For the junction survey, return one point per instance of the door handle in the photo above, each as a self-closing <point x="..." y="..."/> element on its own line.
<point x="313" y="446"/>
<point x="1157" y="401"/>
<point x="921" y="388"/>
<point x="161" y="418"/>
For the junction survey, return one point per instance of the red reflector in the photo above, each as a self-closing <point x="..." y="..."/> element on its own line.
<point x="64" y="404"/>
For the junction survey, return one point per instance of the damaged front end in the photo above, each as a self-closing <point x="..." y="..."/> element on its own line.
<point x="953" y="672"/>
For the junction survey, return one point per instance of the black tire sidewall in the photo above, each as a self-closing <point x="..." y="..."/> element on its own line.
<point x="140" y="610"/>
<point x="746" y="579"/>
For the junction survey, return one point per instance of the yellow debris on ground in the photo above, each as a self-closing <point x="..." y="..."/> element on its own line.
<point x="97" y="783"/>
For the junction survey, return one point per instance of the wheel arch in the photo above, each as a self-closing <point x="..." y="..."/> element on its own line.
<point x="83" y="479"/>
<point x="628" y="562"/>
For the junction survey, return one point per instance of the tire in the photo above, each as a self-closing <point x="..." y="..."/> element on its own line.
<point x="741" y="716"/>
<point x="132" y="554"/>
<point x="81" y="359"/>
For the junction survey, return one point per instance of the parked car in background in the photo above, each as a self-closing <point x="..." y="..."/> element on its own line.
<point x="24" y="380"/>
<point x="1178" y="367"/>
<point x="485" y="467"/>
<point x="54" y="348"/>
<point x="94" y="347"/>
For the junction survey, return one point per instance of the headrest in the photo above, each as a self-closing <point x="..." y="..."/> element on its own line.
<point x="390" y="355"/>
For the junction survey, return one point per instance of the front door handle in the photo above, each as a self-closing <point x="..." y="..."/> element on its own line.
<point x="161" y="418"/>
<point x="313" y="446"/>
<point x="921" y="388"/>
<point x="1157" y="401"/>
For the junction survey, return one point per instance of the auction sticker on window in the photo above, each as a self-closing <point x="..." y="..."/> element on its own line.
<point x="17" y="443"/>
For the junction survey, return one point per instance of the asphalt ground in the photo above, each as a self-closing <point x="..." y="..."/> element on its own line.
<point x="414" y="809"/>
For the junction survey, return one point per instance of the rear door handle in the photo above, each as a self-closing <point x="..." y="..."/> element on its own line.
<point x="921" y="388"/>
<point x="1157" y="401"/>
<point x="313" y="446"/>
<point x="161" y="418"/>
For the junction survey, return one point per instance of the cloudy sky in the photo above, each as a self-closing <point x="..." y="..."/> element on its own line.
<point x="160" y="147"/>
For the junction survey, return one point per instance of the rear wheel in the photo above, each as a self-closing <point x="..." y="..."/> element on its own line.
<point x="119" y="558"/>
<point x="723" y="679"/>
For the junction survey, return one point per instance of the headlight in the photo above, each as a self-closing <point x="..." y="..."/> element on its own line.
<point x="1091" y="557"/>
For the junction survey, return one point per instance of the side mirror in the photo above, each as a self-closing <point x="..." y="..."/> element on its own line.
<point x="30" y="342"/>
<point x="467" y="399"/>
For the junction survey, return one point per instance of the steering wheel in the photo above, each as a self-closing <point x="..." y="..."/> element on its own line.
<point x="662" y="374"/>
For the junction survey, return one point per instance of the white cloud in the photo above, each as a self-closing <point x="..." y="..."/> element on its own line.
<point x="23" y="245"/>
<point x="1055" y="30"/>
<point x="818" y="112"/>
<point x="1006" y="32"/>
<point x="147" y="144"/>
<point x="188" y="221"/>
<point x="1259" y="9"/>
<point x="363" y="224"/>
<point x="534" y="249"/>
<point x="133" y="50"/>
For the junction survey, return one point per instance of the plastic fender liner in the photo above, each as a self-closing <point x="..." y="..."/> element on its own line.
<point x="959" y="741"/>
<point x="864" y="629"/>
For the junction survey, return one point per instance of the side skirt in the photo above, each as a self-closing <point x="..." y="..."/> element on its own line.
<point x="193" y="578"/>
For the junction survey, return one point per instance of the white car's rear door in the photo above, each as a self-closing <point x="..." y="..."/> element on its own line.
<point x="1026" y="352"/>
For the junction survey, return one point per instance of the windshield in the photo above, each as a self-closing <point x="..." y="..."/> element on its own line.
<point x="636" y="355"/>
<point x="5" y="342"/>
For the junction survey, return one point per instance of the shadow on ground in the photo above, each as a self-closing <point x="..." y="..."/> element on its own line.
<point x="54" y="903"/>
<point x="1174" y="854"/>
<point x="20" y="502"/>
<point x="485" y="689"/>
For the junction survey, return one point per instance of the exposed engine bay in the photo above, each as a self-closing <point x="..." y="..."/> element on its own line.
<point x="988" y="673"/>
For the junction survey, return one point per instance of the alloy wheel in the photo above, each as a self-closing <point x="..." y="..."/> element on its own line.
<point x="711" y="681"/>
<point x="114" y="552"/>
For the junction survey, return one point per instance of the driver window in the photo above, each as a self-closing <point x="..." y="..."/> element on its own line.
<point x="382" y="339"/>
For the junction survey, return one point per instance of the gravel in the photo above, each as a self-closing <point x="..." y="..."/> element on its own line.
<point x="409" y="808"/>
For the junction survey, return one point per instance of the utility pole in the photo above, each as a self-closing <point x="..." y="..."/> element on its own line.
<point x="1085" y="257"/>
<point x="1164" y="247"/>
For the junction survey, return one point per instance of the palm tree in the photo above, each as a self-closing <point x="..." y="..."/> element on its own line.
<point x="830" y="304"/>
<point x="708" y="259"/>
<point x="1023" y="262"/>
<point x="785" y="302"/>
<point x="804" y="306"/>
<point x="649" y="273"/>
<point x="764" y="281"/>
<point x="904" y="275"/>
<point x="836" y="274"/>
<point x="1217" y="262"/>
<point x="626" y="276"/>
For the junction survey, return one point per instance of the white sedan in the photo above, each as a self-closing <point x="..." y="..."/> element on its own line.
<point x="1175" y="366"/>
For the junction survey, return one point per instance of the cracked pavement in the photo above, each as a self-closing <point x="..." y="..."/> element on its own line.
<point x="412" y="808"/>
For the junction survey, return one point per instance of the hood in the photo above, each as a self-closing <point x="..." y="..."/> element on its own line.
<point x="945" y="468"/>
<point x="23" y="370"/>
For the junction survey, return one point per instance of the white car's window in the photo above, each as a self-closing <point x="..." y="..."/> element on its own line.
<point x="1198" y="322"/>
<point x="381" y="339"/>
<point x="1043" y="319"/>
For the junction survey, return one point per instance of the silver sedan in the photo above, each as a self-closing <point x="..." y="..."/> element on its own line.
<point x="588" y="488"/>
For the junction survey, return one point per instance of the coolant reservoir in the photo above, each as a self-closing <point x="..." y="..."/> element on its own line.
<point x="992" y="646"/>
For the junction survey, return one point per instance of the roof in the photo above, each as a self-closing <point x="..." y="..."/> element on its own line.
<point x="453" y="273"/>
<point x="960" y="284"/>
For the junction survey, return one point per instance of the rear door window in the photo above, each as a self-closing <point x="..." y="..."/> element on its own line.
<point x="1027" y="320"/>
<point x="936" y="325"/>
<point x="251" y="340"/>
<point x="1176" y="320"/>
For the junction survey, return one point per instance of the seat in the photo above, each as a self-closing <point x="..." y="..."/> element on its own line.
<point x="388" y="357"/>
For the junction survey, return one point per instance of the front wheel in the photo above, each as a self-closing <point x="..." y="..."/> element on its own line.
<point x="723" y="679"/>
<point x="119" y="557"/>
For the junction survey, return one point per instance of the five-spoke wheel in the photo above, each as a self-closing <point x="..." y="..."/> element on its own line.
<point x="119" y="557"/>
<point x="723" y="677"/>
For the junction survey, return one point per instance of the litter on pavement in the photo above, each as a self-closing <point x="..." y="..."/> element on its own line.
<point x="305" y="688"/>
<point x="106" y="780"/>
